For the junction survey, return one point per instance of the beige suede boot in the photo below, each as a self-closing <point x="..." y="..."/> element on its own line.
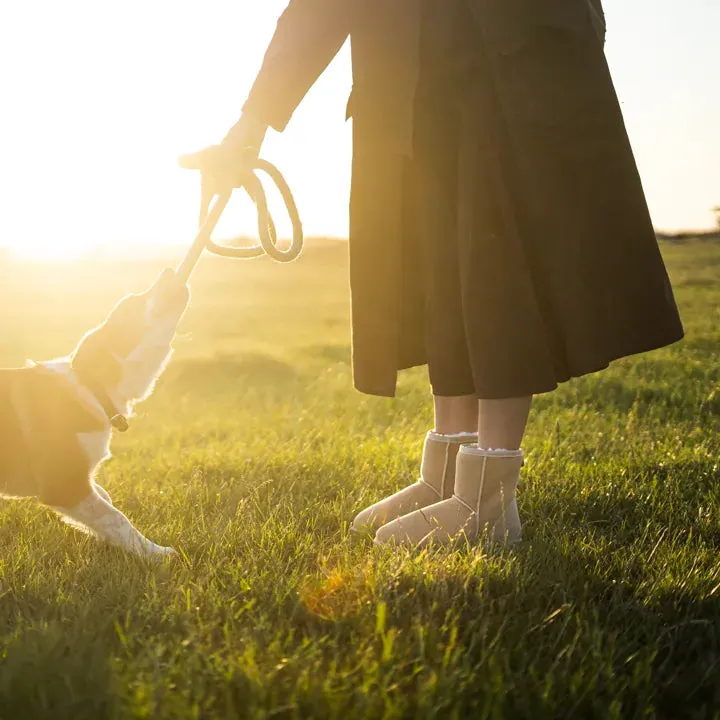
<point x="437" y="482"/>
<point x="483" y="506"/>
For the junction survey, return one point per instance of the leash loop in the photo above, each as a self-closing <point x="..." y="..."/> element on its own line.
<point x="267" y="231"/>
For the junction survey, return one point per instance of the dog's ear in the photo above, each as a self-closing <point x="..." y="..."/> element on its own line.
<point x="57" y="406"/>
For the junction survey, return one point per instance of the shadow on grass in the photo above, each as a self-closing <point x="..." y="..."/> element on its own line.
<point x="61" y="619"/>
<point x="669" y="495"/>
<point x="570" y="640"/>
<point x="553" y="628"/>
<point x="671" y="623"/>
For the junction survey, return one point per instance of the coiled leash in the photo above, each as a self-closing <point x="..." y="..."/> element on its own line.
<point x="266" y="226"/>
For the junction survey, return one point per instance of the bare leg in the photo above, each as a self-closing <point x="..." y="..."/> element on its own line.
<point x="501" y="423"/>
<point x="455" y="414"/>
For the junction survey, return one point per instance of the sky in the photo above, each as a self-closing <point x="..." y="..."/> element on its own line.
<point x="97" y="100"/>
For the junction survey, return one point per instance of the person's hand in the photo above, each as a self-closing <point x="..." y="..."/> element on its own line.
<point x="222" y="167"/>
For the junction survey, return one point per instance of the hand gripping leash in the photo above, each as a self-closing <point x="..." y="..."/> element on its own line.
<point x="266" y="226"/>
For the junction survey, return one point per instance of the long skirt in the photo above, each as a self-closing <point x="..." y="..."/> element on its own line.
<point x="541" y="261"/>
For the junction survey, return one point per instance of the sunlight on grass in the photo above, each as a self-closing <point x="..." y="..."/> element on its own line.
<point x="338" y="594"/>
<point x="253" y="457"/>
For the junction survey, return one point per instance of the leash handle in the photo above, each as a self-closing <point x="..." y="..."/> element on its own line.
<point x="209" y="218"/>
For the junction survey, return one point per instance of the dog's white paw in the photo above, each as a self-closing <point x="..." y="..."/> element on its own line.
<point x="97" y="517"/>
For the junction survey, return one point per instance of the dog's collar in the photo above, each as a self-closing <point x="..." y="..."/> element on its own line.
<point x="117" y="419"/>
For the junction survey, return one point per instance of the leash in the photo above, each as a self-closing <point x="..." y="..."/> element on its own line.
<point x="266" y="226"/>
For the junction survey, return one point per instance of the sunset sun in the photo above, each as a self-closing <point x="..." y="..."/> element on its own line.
<point x="89" y="151"/>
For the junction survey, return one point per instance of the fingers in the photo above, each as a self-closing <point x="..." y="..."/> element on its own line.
<point x="200" y="160"/>
<point x="206" y="161"/>
<point x="219" y="165"/>
<point x="222" y="168"/>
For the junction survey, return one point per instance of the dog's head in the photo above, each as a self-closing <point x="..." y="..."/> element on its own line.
<point x="128" y="352"/>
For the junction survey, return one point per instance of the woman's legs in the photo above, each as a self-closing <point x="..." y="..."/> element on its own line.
<point x="458" y="369"/>
<point x="455" y="414"/>
<point x="501" y="423"/>
<point x="456" y="420"/>
<point x="483" y="504"/>
<point x="487" y="496"/>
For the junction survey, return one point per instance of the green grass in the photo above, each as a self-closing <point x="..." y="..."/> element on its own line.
<point x="252" y="458"/>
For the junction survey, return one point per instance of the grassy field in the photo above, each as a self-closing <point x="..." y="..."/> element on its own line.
<point x="252" y="458"/>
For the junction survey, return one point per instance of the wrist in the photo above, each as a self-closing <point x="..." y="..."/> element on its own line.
<point x="248" y="131"/>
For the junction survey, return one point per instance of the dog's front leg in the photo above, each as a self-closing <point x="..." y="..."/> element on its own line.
<point x="95" y="516"/>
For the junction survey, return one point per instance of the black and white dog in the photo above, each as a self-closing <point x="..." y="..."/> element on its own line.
<point x="56" y="418"/>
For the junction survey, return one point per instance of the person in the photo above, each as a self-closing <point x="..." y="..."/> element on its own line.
<point x="498" y="228"/>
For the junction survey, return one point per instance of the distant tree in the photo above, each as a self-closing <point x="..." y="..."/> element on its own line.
<point x="716" y="210"/>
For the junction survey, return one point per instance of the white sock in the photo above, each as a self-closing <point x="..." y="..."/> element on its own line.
<point x="95" y="516"/>
<point x="464" y="437"/>
<point x="490" y="452"/>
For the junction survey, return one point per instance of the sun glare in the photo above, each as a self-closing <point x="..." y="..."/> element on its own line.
<point x="130" y="88"/>
<point x="101" y="99"/>
<point x="61" y="253"/>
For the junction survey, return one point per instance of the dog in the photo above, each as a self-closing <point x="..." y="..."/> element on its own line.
<point x="57" y="417"/>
